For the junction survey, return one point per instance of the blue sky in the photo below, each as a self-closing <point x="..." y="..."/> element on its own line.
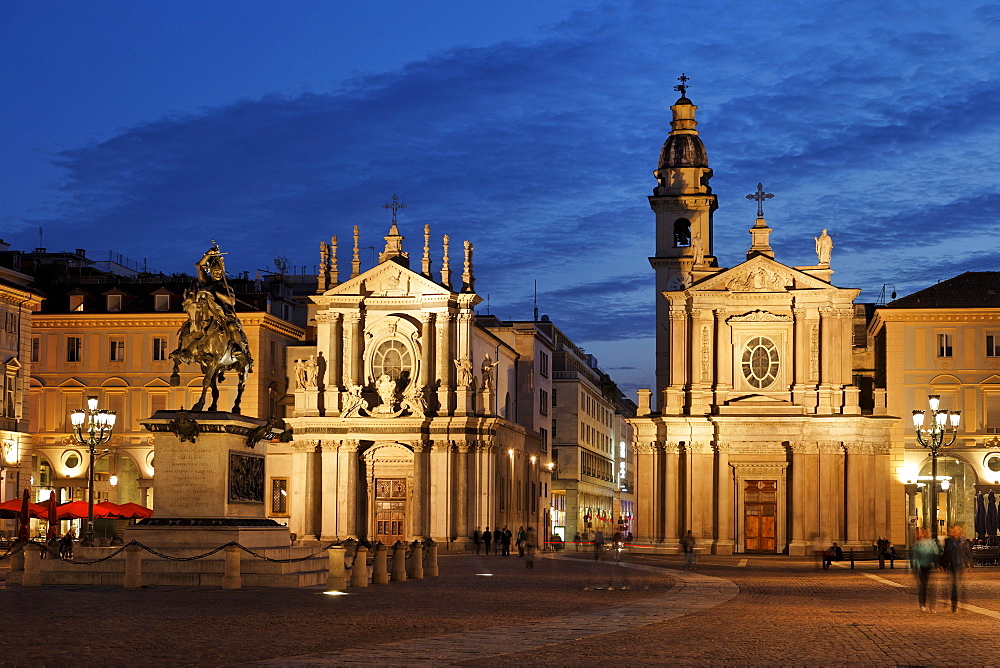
<point x="530" y="128"/>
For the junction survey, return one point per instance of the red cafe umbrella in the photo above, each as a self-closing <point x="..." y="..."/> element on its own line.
<point x="11" y="510"/>
<point x="113" y="510"/>
<point x="77" y="510"/>
<point x="136" y="511"/>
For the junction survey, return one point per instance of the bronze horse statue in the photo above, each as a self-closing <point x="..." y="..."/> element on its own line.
<point x="212" y="337"/>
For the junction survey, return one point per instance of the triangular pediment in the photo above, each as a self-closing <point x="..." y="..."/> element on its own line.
<point x="157" y="382"/>
<point x="388" y="279"/>
<point x="760" y="274"/>
<point x="71" y="382"/>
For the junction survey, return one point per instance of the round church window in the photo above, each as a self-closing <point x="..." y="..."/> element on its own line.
<point x="760" y="362"/>
<point x="993" y="462"/>
<point x="393" y="359"/>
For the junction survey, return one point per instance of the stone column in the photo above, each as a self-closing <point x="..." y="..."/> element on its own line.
<point x="354" y="346"/>
<point x="724" y="541"/>
<point x="464" y="396"/>
<point x="911" y="511"/>
<point x="832" y="477"/>
<point x="805" y="498"/>
<point x="855" y="465"/>
<point x="329" y="527"/>
<point x="724" y="357"/>
<point x="671" y="484"/>
<point x="702" y="362"/>
<point x="674" y="399"/>
<point x="419" y="524"/>
<point x="485" y="494"/>
<point x="330" y="348"/>
<point x="701" y="496"/>
<point x="303" y="492"/>
<point x="427" y="373"/>
<point x="350" y="488"/>
<point x="444" y="359"/>
<point x="647" y="502"/>
<point x="462" y="492"/>
<point x="441" y="475"/>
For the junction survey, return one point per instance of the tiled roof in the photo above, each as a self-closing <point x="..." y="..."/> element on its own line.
<point x="973" y="289"/>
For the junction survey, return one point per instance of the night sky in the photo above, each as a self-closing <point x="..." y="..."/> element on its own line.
<point x="531" y="129"/>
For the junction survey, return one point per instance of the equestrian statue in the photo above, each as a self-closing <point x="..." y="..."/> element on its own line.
<point x="212" y="337"/>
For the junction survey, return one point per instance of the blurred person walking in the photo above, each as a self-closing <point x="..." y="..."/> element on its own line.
<point x="955" y="558"/>
<point x="924" y="558"/>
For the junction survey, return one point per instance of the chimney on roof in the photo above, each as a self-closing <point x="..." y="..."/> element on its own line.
<point x="82" y="252"/>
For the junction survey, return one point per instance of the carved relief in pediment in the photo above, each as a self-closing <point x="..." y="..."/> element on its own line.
<point x="394" y="284"/>
<point x="759" y="279"/>
<point x="760" y="316"/>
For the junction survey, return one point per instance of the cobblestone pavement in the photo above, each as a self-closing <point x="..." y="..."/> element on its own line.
<point x="570" y="611"/>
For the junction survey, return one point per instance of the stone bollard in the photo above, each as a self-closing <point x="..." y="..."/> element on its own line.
<point x="133" y="567"/>
<point x="336" y="578"/>
<point x="359" y="567"/>
<point x="231" y="579"/>
<point x="416" y="570"/>
<point x="431" y="569"/>
<point x="380" y="567"/>
<point x="350" y="545"/>
<point x="32" y="566"/>
<point x="399" y="562"/>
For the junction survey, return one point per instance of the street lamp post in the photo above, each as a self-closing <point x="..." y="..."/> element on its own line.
<point x="91" y="427"/>
<point x="944" y="425"/>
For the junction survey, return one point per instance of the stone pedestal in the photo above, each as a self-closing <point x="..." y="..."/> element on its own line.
<point x="307" y="402"/>
<point x="210" y="485"/>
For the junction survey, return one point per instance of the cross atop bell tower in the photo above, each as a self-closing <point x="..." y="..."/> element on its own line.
<point x="394" y="240"/>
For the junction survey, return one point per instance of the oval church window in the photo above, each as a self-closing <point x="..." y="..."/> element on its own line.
<point x="393" y="359"/>
<point x="760" y="362"/>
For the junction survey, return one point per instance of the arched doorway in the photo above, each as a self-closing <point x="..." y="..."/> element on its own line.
<point x="956" y="492"/>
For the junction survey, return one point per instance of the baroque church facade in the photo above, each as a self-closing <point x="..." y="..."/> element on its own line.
<point x="754" y="439"/>
<point x="411" y="420"/>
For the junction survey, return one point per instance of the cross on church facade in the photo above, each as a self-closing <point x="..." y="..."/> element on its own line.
<point x="682" y="86"/>
<point x="394" y="206"/>
<point x="760" y="196"/>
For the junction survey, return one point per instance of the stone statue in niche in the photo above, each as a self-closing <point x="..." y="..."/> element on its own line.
<point x="306" y="373"/>
<point x="354" y="403"/>
<point x="487" y="371"/>
<point x="697" y="250"/>
<point x="464" y="367"/>
<point x="824" y="247"/>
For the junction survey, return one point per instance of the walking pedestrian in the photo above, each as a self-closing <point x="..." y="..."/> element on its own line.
<point x="576" y="541"/>
<point x="505" y="536"/>
<point x="598" y="544"/>
<point x="688" y="545"/>
<point x="924" y="558"/>
<point x="881" y="547"/>
<point x="487" y="539"/>
<point x="520" y="541"/>
<point x="955" y="559"/>
<point x="476" y="539"/>
<point x="66" y="544"/>
<point x="530" y="547"/>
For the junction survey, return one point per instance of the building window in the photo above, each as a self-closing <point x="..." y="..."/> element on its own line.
<point x="993" y="345"/>
<point x="114" y="303"/>
<point x="279" y="496"/>
<point x="10" y="395"/>
<point x="161" y="302"/>
<point x="682" y="232"/>
<point x="116" y="351"/>
<point x="760" y="362"/>
<point x="944" y="345"/>
<point x="74" y="349"/>
<point x="992" y="405"/>
<point x="543" y="364"/>
<point x="76" y="302"/>
<point x="36" y="349"/>
<point x="553" y="396"/>
<point x="159" y="349"/>
<point x="543" y="402"/>
<point x="392" y="358"/>
<point x="545" y="439"/>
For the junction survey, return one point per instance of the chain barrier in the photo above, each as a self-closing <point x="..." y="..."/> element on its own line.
<point x="290" y="560"/>
<point x="16" y="547"/>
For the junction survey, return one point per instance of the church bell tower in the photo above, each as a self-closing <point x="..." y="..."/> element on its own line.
<point x="684" y="204"/>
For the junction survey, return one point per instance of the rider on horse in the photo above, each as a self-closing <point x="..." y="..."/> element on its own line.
<point x="213" y="336"/>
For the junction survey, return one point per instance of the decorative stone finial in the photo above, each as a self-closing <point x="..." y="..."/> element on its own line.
<point x="425" y="265"/>
<point x="334" y="270"/>
<point x="356" y="261"/>
<point x="323" y="276"/>
<point x="445" y="265"/>
<point x="468" y="280"/>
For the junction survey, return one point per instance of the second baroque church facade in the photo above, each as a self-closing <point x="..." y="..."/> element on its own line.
<point x="754" y="439"/>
